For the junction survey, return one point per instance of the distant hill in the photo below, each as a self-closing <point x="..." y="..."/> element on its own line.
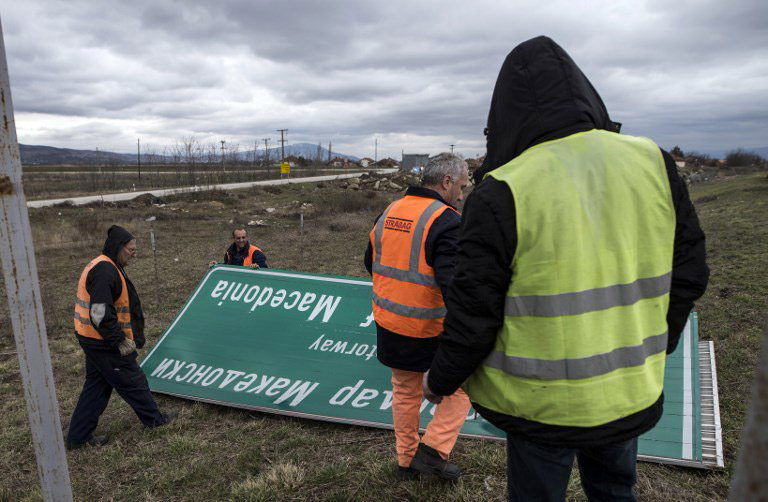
<point x="306" y="150"/>
<point x="49" y="155"/>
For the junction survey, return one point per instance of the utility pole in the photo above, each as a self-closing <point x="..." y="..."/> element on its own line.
<point x="452" y="148"/>
<point x="255" y="148"/>
<point x="330" y="145"/>
<point x="138" y="155"/>
<point x="266" y="151"/>
<point x="223" y="162"/>
<point x="376" y="151"/>
<point x="282" y="143"/>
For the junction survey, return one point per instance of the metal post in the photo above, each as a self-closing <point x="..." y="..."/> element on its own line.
<point x="749" y="482"/>
<point x="154" y="252"/>
<point x="138" y="156"/>
<point x="26" y="308"/>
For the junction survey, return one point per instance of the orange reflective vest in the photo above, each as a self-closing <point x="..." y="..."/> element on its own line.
<point x="406" y="297"/>
<point x="83" y="326"/>
<point x="248" y="261"/>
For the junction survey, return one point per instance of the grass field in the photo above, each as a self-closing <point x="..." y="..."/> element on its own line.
<point x="217" y="453"/>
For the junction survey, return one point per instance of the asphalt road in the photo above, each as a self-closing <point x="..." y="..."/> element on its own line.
<point x="114" y="197"/>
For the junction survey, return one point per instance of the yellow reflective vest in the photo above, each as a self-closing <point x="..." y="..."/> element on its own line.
<point x="585" y="334"/>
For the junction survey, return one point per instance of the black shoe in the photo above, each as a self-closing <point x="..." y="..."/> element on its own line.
<point x="166" y="418"/>
<point x="94" y="441"/>
<point x="406" y="473"/>
<point x="428" y="461"/>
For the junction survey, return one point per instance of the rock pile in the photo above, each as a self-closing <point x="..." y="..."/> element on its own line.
<point x="393" y="183"/>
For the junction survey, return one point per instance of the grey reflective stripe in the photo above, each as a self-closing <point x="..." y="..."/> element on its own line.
<point x="379" y="231"/>
<point x="419" y="232"/>
<point x="404" y="311"/>
<point x="411" y="275"/>
<point x="120" y="310"/>
<point x="82" y="320"/>
<point x="590" y="300"/>
<point x="576" y="369"/>
<point x="405" y="275"/>
<point x="87" y="322"/>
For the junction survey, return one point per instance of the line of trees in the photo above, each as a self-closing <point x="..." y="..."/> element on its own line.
<point x="734" y="158"/>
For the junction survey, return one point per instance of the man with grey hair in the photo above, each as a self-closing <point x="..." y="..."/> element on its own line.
<point x="410" y="255"/>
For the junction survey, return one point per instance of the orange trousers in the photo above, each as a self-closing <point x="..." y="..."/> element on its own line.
<point x="443" y="429"/>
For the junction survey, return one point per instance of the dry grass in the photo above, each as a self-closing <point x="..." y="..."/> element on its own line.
<point x="217" y="453"/>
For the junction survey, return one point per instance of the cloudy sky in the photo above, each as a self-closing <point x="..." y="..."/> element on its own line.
<point x="415" y="75"/>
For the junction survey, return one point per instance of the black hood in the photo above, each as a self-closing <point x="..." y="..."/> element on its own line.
<point x="540" y="95"/>
<point x="117" y="237"/>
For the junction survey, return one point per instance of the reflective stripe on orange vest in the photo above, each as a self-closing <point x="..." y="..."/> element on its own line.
<point x="406" y="297"/>
<point x="82" y="317"/>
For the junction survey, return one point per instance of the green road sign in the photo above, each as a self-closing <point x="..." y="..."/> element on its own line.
<point x="305" y="345"/>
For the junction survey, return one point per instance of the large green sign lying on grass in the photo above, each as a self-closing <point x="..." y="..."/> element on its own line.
<point x="305" y="345"/>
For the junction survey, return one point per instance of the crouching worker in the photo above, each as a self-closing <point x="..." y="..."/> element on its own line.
<point x="109" y="325"/>
<point x="410" y="256"/>
<point x="242" y="252"/>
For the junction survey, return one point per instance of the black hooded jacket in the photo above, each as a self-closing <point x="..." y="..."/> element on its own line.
<point x="541" y="95"/>
<point x="104" y="285"/>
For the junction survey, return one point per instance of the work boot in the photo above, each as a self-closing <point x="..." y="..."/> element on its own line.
<point x="167" y="418"/>
<point x="406" y="473"/>
<point x="94" y="441"/>
<point x="429" y="461"/>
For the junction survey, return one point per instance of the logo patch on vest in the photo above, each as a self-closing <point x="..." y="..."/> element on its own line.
<point x="398" y="224"/>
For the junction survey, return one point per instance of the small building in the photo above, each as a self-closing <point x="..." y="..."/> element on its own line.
<point x="414" y="160"/>
<point x="366" y="161"/>
<point x="340" y="162"/>
<point x="387" y="163"/>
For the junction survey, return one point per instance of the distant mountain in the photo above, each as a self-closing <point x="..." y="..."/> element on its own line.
<point x="306" y="150"/>
<point x="49" y="155"/>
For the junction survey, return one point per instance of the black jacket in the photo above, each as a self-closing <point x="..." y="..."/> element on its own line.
<point x="525" y="112"/>
<point x="235" y="256"/>
<point x="104" y="285"/>
<point x="406" y="352"/>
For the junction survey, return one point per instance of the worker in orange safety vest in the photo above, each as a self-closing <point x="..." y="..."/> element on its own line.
<point x="410" y="256"/>
<point x="109" y="326"/>
<point x="241" y="252"/>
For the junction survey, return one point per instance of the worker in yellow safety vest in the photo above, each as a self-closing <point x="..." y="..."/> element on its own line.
<point x="410" y="255"/>
<point x="580" y="259"/>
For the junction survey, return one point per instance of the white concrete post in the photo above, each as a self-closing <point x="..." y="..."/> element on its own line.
<point x="26" y="308"/>
<point x="750" y="482"/>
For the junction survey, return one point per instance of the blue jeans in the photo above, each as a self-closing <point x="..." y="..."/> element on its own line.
<point x="539" y="472"/>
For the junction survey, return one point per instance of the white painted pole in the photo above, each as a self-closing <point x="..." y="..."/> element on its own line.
<point x="750" y="481"/>
<point x="26" y="308"/>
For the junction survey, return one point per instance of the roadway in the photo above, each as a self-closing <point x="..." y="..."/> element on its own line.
<point x="115" y="197"/>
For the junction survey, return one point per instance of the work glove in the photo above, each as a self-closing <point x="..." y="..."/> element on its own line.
<point x="126" y="347"/>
